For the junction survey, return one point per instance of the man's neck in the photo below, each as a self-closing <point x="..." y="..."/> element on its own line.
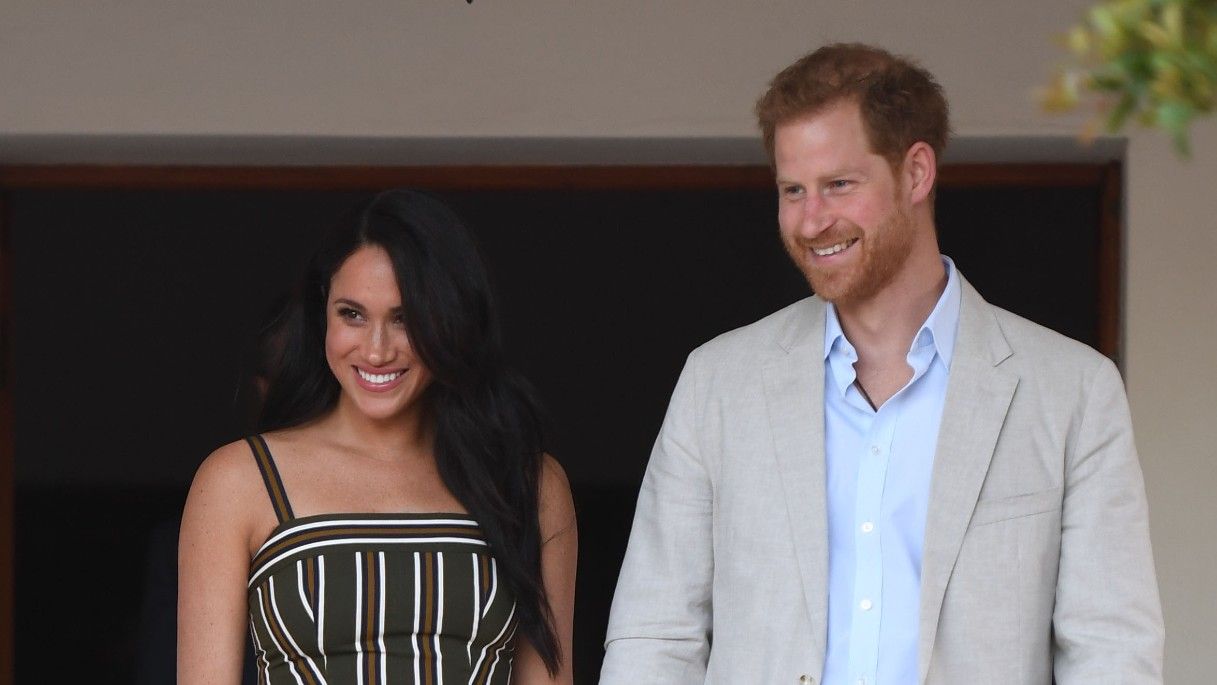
<point x="883" y="326"/>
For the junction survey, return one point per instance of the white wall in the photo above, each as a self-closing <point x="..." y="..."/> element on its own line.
<point x="637" y="68"/>
<point x="1171" y="374"/>
<point x="443" y="67"/>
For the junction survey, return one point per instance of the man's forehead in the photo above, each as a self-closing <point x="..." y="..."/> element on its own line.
<point x="823" y="154"/>
<point x="840" y="126"/>
<point x="841" y="110"/>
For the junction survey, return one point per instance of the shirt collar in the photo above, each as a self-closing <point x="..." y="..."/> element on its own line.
<point x="939" y="330"/>
<point x="943" y="322"/>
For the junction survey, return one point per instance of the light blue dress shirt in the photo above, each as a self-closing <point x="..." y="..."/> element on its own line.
<point x="878" y="488"/>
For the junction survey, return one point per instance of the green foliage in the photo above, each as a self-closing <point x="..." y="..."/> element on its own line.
<point x="1154" y="61"/>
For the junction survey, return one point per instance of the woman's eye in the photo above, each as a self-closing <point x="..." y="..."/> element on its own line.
<point x="348" y="313"/>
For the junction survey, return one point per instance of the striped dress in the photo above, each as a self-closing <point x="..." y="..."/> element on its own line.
<point x="376" y="598"/>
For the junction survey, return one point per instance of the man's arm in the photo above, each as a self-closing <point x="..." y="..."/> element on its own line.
<point x="659" y="628"/>
<point x="1107" y="623"/>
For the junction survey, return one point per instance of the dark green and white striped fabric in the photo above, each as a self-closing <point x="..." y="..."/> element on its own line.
<point x="368" y="599"/>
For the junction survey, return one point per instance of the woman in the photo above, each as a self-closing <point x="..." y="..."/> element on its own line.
<point x="398" y="521"/>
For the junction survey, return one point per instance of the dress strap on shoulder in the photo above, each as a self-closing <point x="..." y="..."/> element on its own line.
<point x="270" y="477"/>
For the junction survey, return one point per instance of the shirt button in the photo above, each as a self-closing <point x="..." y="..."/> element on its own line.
<point x="805" y="680"/>
<point x="868" y="527"/>
<point x="865" y="605"/>
<point x="874" y="449"/>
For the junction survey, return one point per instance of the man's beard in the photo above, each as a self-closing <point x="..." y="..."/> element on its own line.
<point x="884" y="251"/>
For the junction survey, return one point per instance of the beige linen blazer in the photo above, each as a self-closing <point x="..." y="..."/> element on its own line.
<point x="1036" y="561"/>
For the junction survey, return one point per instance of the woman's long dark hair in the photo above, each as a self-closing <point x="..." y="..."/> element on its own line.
<point x="488" y="437"/>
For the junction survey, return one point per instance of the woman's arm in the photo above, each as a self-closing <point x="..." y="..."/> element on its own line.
<point x="559" y="557"/>
<point x="213" y="565"/>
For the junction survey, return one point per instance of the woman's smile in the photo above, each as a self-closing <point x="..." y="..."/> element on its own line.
<point x="379" y="381"/>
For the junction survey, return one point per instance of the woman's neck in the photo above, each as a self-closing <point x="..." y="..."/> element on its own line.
<point x="404" y="437"/>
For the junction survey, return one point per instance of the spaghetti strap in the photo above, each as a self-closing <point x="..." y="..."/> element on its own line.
<point x="270" y="477"/>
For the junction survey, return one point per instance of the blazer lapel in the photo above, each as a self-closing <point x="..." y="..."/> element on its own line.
<point x="978" y="397"/>
<point x="794" y="395"/>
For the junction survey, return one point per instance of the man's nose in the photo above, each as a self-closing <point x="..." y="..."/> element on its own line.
<point x="816" y="216"/>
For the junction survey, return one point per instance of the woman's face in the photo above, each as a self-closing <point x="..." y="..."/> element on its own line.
<point x="365" y="338"/>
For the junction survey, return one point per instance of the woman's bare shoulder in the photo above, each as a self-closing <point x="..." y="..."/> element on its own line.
<point x="229" y="466"/>
<point x="228" y="483"/>
<point x="554" y="482"/>
<point x="556" y="506"/>
<point x="227" y="503"/>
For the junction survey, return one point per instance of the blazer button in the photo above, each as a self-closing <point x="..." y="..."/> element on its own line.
<point x="806" y="680"/>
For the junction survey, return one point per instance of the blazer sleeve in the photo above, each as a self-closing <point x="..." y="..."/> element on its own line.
<point x="1107" y="622"/>
<point x="660" y="623"/>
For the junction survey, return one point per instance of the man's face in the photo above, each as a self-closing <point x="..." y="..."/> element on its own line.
<point x="841" y="210"/>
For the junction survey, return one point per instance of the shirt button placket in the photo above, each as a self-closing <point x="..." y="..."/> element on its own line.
<point x="868" y="581"/>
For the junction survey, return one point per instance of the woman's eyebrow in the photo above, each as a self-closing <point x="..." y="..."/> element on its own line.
<point x="352" y="303"/>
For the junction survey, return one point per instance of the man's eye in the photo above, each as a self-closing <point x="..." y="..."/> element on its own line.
<point x="792" y="191"/>
<point x="839" y="184"/>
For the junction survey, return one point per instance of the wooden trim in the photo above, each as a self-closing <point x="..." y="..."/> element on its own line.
<point x="493" y="177"/>
<point x="1110" y="257"/>
<point x="1033" y="175"/>
<point x="7" y="487"/>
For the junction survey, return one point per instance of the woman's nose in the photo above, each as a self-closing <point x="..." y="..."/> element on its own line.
<point x="379" y="345"/>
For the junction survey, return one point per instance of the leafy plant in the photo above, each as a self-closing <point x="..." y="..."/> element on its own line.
<point x="1154" y="61"/>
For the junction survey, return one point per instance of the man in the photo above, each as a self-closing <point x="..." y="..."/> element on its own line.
<point x="891" y="482"/>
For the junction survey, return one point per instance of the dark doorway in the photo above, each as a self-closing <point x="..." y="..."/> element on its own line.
<point x="135" y="295"/>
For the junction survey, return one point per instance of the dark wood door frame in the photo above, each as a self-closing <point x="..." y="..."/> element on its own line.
<point x="7" y="491"/>
<point x="1106" y="178"/>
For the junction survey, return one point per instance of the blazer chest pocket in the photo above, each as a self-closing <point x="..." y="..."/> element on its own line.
<point x="1018" y="506"/>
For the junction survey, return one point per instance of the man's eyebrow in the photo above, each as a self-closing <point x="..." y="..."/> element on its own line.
<point x="835" y="173"/>
<point x="844" y="171"/>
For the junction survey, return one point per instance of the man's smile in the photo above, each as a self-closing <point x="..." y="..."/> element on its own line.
<point x="834" y="249"/>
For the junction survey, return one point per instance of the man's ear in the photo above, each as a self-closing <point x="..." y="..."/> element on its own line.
<point x="920" y="171"/>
